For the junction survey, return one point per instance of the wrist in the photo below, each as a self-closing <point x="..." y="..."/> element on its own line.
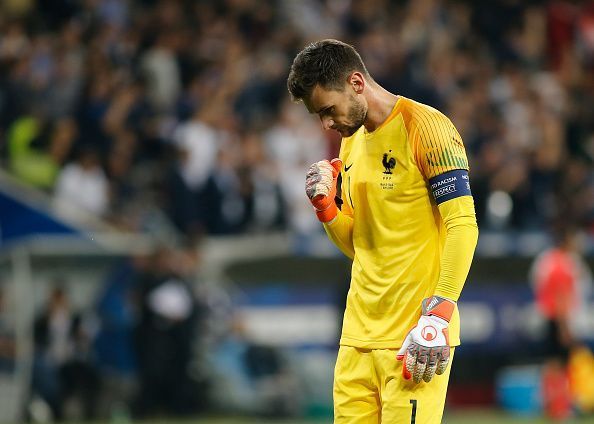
<point x="325" y="207"/>
<point x="438" y="306"/>
<point x="327" y="215"/>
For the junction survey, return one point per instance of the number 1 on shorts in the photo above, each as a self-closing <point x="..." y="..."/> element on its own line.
<point x="413" y="414"/>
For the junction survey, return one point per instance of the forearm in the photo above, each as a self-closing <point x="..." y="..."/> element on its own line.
<point x="462" y="235"/>
<point x="340" y="231"/>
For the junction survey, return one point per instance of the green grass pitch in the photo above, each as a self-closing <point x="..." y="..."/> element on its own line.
<point x="457" y="417"/>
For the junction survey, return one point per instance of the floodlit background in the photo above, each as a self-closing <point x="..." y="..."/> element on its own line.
<point x="158" y="257"/>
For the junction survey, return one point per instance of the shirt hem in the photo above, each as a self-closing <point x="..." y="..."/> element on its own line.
<point x="375" y="344"/>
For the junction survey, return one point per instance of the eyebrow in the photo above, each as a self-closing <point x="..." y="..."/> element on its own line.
<point x="322" y="109"/>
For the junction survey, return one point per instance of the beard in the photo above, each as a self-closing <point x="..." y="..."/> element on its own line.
<point x="355" y="116"/>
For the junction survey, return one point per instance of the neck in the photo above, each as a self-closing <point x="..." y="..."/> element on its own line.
<point x="380" y="103"/>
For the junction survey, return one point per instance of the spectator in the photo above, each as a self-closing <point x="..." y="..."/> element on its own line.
<point x="38" y="148"/>
<point x="63" y="372"/>
<point x="162" y="71"/>
<point x="259" y="189"/>
<point x="198" y="144"/>
<point x="82" y="187"/>
<point x="292" y="144"/>
<point x="7" y="337"/>
<point x="114" y="346"/>
<point x="165" y="336"/>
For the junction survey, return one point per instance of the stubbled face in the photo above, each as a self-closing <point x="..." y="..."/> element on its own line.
<point x="342" y="111"/>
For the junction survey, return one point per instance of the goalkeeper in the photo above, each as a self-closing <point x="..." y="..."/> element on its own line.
<point x="406" y="220"/>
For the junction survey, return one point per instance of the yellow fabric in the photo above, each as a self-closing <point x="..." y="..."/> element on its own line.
<point x="398" y="234"/>
<point x="340" y="231"/>
<point x="369" y="389"/>
<point x="462" y="234"/>
<point x="28" y="164"/>
<point x="581" y="375"/>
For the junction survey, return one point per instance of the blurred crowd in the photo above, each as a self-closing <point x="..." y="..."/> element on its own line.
<point x="173" y="115"/>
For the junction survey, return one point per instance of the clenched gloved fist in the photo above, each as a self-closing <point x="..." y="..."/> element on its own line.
<point x="320" y="187"/>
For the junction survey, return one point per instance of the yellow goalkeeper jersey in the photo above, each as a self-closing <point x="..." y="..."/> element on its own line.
<point x="391" y="178"/>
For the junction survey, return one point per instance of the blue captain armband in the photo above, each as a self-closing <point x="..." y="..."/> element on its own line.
<point x="450" y="185"/>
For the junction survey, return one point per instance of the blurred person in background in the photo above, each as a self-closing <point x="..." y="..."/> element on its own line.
<point x="259" y="188"/>
<point x="7" y="336"/>
<point x="119" y="165"/>
<point x="116" y="356"/>
<point x="190" y="184"/>
<point x="406" y="199"/>
<point x="82" y="189"/>
<point x="166" y="333"/>
<point x="292" y="143"/>
<point x="160" y="65"/>
<point x="562" y="283"/>
<point x="64" y="375"/>
<point x="38" y="148"/>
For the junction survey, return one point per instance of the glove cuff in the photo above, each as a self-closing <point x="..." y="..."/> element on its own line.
<point x="439" y="306"/>
<point x="327" y="214"/>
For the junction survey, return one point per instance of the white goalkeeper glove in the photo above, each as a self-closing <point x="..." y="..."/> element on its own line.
<point x="426" y="348"/>
<point x="320" y="187"/>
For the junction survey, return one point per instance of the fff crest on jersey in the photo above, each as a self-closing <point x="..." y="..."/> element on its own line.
<point x="389" y="163"/>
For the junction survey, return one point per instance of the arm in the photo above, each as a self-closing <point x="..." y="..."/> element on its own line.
<point x="320" y="187"/>
<point x="340" y="231"/>
<point x="425" y="356"/>
<point x="441" y="158"/>
<point x="462" y="235"/>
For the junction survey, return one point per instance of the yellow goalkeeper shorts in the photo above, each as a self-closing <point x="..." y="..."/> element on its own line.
<point x="369" y="389"/>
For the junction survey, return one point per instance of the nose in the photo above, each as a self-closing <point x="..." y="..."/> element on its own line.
<point x="327" y="123"/>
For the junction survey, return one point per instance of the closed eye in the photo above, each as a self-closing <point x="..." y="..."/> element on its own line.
<point x="326" y="111"/>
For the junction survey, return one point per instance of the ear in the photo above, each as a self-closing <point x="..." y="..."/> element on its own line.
<point x="357" y="82"/>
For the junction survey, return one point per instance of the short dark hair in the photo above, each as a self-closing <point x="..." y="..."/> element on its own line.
<point x="327" y="63"/>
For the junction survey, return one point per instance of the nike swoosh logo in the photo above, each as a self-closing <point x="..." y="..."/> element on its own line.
<point x="346" y="168"/>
